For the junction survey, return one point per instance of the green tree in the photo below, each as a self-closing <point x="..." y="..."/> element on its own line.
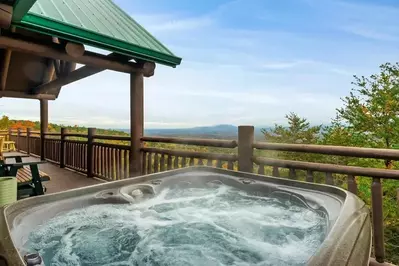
<point x="299" y="130"/>
<point x="4" y="122"/>
<point x="372" y="107"/>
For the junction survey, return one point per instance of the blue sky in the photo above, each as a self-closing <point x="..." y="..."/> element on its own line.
<point x="244" y="62"/>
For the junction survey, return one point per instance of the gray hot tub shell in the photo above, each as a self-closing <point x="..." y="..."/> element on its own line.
<point x="348" y="240"/>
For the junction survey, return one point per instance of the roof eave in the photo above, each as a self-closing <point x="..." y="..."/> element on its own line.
<point x="66" y="32"/>
<point x="21" y="8"/>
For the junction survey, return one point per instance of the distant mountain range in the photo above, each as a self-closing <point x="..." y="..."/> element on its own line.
<point x="217" y="132"/>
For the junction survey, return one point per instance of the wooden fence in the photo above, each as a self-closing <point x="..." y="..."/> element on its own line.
<point x="90" y="154"/>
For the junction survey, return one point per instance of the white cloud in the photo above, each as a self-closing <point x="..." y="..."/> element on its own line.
<point x="284" y="65"/>
<point x="367" y="31"/>
<point x="158" y="23"/>
<point x="374" y="21"/>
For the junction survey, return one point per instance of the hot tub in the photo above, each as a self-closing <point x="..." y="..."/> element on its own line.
<point x="192" y="216"/>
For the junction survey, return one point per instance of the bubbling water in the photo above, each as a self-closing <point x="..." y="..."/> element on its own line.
<point x="217" y="225"/>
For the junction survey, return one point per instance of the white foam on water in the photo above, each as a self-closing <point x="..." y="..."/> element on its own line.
<point x="218" y="225"/>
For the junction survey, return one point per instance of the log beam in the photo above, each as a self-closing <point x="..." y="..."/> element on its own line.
<point x="83" y="72"/>
<point x="5" y="66"/>
<point x="5" y="16"/>
<point x="74" y="49"/>
<point x="23" y="95"/>
<point x="56" y="51"/>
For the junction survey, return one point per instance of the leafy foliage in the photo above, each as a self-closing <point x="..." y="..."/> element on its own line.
<point x="298" y="131"/>
<point x="4" y="123"/>
<point x="372" y="107"/>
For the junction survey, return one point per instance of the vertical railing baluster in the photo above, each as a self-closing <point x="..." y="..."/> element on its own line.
<point x="162" y="162"/>
<point x="169" y="162"/>
<point x="80" y="156"/>
<point x="156" y="163"/>
<point x="28" y="130"/>
<point x="176" y="162"/>
<point x="209" y="162"/>
<point x="329" y="178"/>
<point x="127" y="162"/>
<point x="113" y="163"/>
<point x="261" y="169"/>
<point x="309" y="176"/>
<point x="143" y="163"/>
<point x="378" y="225"/>
<point x="219" y="163"/>
<point x="73" y="145"/>
<point x="95" y="161"/>
<point x="352" y="185"/>
<point x="149" y="163"/>
<point x="200" y="162"/>
<point x="191" y="162"/>
<point x="292" y="173"/>
<point x="276" y="172"/>
<point x="183" y="162"/>
<point x="62" y="148"/>
<point x="118" y="164"/>
<point x="230" y="165"/>
<point x="103" y="171"/>
<point x="110" y="174"/>
<point x="18" y="142"/>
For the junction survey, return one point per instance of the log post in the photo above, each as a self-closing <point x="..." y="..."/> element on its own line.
<point x="9" y="134"/>
<point x="62" y="148"/>
<point x="28" y="130"/>
<point x="245" y="150"/>
<point x="136" y="122"/>
<point x="90" y="139"/>
<point x="18" y="139"/>
<point x="43" y="126"/>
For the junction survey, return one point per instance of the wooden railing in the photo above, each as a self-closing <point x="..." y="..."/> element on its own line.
<point x="92" y="155"/>
<point x="158" y="160"/>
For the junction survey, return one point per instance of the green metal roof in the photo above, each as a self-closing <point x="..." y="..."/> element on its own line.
<point x="98" y="23"/>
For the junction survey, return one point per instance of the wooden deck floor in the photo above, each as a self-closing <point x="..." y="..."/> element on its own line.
<point x="63" y="179"/>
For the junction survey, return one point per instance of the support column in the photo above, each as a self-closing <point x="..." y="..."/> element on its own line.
<point x="245" y="150"/>
<point x="28" y="130"/>
<point x="136" y="123"/>
<point x="90" y="152"/>
<point x="43" y="126"/>
<point x="62" y="148"/>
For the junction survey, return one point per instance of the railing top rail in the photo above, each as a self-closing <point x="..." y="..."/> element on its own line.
<point x="109" y="137"/>
<point x="71" y="141"/>
<point x="331" y="150"/>
<point x="196" y="142"/>
<point x="75" y="135"/>
<point x="51" y="133"/>
<point x="188" y="154"/>
<point x="329" y="168"/>
<point x="112" y="146"/>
